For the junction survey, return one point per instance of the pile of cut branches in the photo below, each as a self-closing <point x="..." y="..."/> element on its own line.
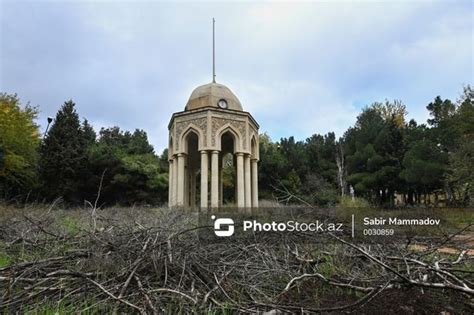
<point x="147" y="261"/>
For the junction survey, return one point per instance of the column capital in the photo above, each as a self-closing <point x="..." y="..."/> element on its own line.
<point x="181" y="154"/>
<point x="239" y="153"/>
<point x="203" y="151"/>
<point x="215" y="151"/>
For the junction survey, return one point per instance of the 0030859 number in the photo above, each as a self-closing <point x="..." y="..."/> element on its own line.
<point x="378" y="232"/>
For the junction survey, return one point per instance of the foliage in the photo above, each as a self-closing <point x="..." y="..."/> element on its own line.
<point x="133" y="173"/>
<point x="424" y="165"/>
<point x="374" y="149"/>
<point x="307" y="169"/>
<point x="75" y="163"/>
<point x="63" y="156"/>
<point x="384" y="156"/>
<point x="19" y="139"/>
<point x="462" y="160"/>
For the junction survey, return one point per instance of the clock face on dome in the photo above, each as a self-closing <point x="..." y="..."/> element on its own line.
<point x="222" y="103"/>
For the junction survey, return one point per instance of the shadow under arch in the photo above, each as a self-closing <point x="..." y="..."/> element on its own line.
<point x="237" y="137"/>
<point x="191" y="168"/>
<point x="183" y="137"/>
<point x="227" y="168"/>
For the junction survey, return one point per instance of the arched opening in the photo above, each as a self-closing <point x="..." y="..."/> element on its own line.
<point x="192" y="167"/>
<point x="227" y="177"/>
<point x="254" y="148"/>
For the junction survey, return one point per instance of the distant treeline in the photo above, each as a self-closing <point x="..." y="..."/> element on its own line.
<point x="386" y="160"/>
<point x="382" y="158"/>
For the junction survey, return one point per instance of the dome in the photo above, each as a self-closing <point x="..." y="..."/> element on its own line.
<point x="212" y="94"/>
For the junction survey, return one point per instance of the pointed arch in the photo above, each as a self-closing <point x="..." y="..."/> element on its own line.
<point x="191" y="128"/>
<point x="235" y="133"/>
<point x="254" y="149"/>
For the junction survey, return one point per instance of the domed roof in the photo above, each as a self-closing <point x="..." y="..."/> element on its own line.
<point x="210" y="94"/>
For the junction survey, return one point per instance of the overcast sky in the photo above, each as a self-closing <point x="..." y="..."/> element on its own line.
<point x="299" y="69"/>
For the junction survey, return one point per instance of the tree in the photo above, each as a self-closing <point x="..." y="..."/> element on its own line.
<point x="271" y="166"/>
<point x="19" y="140"/>
<point x="395" y="110"/>
<point x="461" y="161"/>
<point x="374" y="148"/>
<point x="133" y="173"/>
<point x="88" y="133"/>
<point x="321" y="156"/>
<point x="440" y="111"/>
<point x="424" y="166"/>
<point x="141" y="180"/>
<point x="443" y="124"/>
<point x="63" y="156"/>
<point x="295" y="157"/>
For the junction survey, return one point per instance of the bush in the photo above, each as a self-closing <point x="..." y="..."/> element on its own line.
<point x="358" y="202"/>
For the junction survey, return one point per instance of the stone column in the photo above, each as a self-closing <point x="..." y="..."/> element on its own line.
<point x="170" y="182"/>
<point x="186" y="184"/>
<point x="204" y="175"/>
<point x="180" y="179"/>
<point x="254" y="183"/>
<point x="221" y="177"/>
<point x="240" y="180"/>
<point x="248" y="192"/>
<point x="215" y="179"/>
<point x="192" y="188"/>
<point x="175" y="181"/>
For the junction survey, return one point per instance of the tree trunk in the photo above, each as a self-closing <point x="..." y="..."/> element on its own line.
<point x="410" y="197"/>
<point x="449" y="193"/>
<point x="341" y="170"/>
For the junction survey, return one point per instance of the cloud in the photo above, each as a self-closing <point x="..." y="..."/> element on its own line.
<point x="298" y="68"/>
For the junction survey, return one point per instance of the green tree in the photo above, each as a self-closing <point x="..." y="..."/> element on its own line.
<point x="63" y="156"/>
<point x="440" y="111"/>
<point x="141" y="180"/>
<point x="88" y="133"/>
<point x="443" y="125"/>
<point x="271" y="166"/>
<point x="19" y="140"/>
<point x="295" y="157"/>
<point x="321" y="156"/>
<point x="461" y="161"/>
<point x="424" y="166"/>
<point x="375" y="148"/>
<point x="320" y="183"/>
<point x="133" y="173"/>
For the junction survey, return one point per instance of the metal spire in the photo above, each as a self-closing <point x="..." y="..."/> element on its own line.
<point x="213" y="51"/>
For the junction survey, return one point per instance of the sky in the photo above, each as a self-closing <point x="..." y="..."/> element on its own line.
<point x="298" y="68"/>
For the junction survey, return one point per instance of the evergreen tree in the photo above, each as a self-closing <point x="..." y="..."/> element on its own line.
<point x="63" y="156"/>
<point x="461" y="164"/>
<point x="133" y="173"/>
<point x="271" y="166"/>
<point x="375" y="149"/>
<point x="88" y="133"/>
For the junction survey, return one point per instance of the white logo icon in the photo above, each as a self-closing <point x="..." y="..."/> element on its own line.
<point x="227" y="223"/>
